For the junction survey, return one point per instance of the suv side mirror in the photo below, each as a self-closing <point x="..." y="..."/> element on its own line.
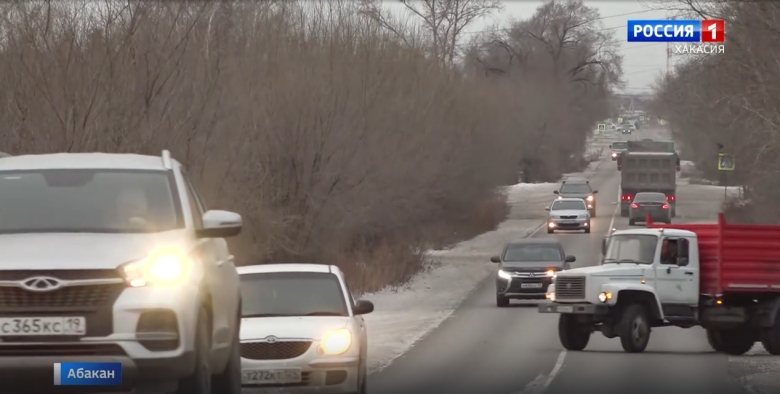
<point x="555" y="192"/>
<point x="220" y="224"/>
<point x="547" y="208"/>
<point x="363" y="307"/>
<point x="570" y="259"/>
<point x="495" y="259"/>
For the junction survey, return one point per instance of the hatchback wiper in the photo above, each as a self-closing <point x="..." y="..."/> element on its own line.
<point x="265" y="315"/>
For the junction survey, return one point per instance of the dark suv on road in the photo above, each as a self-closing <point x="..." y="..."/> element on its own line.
<point x="579" y="188"/>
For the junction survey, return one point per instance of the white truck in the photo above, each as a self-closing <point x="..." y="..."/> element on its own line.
<point x="723" y="277"/>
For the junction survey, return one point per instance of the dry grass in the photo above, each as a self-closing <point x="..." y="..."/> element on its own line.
<point x="338" y="141"/>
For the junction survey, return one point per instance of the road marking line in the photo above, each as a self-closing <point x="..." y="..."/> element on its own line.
<point x="614" y="213"/>
<point x="555" y="370"/>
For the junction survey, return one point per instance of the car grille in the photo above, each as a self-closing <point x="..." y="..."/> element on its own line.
<point x="80" y="297"/>
<point x="570" y="288"/>
<point x="569" y="217"/>
<point x="274" y="351"/>
<point x="60" y="274"/>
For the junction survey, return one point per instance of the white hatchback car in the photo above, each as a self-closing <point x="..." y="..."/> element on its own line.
<point x="301" y="329"/>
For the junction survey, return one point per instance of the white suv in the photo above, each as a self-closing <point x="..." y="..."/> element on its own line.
<point x="114" y="258"/>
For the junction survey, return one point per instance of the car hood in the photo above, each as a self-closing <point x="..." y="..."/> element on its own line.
<point x="611" y="270"/>
<point x="298" y="327"/>
<point x="79" y="250"/>
<point x="575" y="195"/>
<point x="526" y="266"/>
<point x="568" y="212"/>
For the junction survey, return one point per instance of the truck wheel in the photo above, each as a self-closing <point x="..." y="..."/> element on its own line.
<point x="674" y="212"/>
<point x="770" y="338"/>
<point x="631" y="222"/>
<point x="501" y="301"/>
<point x="229" y="381"/>
<point x="199" y="382"/>
<point x="624" y="213"/>
<point x="634" y="329"/>
<point x="573" y="335"/>
<point x="737" y="341"/>
<point x="713" y="337"/>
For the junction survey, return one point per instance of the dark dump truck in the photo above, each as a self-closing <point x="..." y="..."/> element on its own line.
<point x="648" y="166"/>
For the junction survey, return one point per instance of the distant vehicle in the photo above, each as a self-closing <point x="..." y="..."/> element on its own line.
<point x="721" y="276"/>
<point x="568" y="214"/>
<point x="302" y="326"/>
<point x="627" y="128"/>
<point x="579" y="188"/>
<point x="526" y="269"/>
<point x="654" y="204"/>
<point x="618" y="148"/>
<point x="647" y="172"/>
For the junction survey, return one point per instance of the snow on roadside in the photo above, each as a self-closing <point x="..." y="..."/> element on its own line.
<point x="404" y="316"/>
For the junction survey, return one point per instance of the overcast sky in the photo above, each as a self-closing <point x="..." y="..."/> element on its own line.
<point x="642" y="63"/>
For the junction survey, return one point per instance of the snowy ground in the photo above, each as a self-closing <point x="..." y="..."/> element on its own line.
<point x="408" y="314"/>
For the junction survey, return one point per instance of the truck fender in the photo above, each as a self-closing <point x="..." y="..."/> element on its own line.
<point x="774" y="309"/>
<point x="631" y="292"/>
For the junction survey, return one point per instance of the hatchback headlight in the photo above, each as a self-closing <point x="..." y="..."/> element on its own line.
<point x="336" y="342"/>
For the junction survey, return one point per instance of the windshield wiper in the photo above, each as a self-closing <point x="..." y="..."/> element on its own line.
<point x="324" y="314"/>
<point x="265" y="315"/>
<point x="620" y="261"/>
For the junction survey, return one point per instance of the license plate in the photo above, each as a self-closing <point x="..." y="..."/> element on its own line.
<point x="565" y="309"/>
<point x="23" y="326"/>
<point x="530" y="285"/>
<point x="271" y="376"/>
<point x="568" y="221"/>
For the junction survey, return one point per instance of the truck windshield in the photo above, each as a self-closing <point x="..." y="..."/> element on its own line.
<point x="620" y="145"/>
<point x="638" y="249"/>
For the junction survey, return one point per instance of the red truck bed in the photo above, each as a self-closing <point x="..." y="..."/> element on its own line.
<point x="735" y="258"/>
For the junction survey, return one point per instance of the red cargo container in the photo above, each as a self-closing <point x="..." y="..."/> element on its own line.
<point x="735" y="258"/>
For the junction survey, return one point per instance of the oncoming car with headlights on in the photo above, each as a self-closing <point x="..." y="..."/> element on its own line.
<point x="579" y="188"/>
<point x="115" y="258"/>
<point x="302" y="330"/>
<point x="526" y="268"/>
<point x="568" y="214"/>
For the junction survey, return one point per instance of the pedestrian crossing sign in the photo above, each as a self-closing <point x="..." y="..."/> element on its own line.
<point x="602" y="127"/>
<point x="641" y="118"/>
<point x="726" y="162"/>
<point x="620" y="120"/>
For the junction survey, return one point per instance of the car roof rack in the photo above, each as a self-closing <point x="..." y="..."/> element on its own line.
<point x="166" y="159"/>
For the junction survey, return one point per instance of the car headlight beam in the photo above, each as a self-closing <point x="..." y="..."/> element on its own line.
<point x="504" y="274"/>
<point x="335" y="342"/>
<point x="169" y="268"/>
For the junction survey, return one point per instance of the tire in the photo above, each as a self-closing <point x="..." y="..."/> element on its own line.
<point x="770" y="338"/>
<point x="674" y="212"/>
<point x="593" y="213"/>
<point x="634" y="329"/>
<point x="631" y="222"/>
<point x="573" y="336"/>
<point x="713" y="337"/>
<point x="362" y="384"/>
<point x="229" y="381"/>
<point x="501" y="301"/>
<point x="587" y="230"/>
<point x="737" y="341"/>
<point x="199" y="382"/>
<point x="550" y="231"/>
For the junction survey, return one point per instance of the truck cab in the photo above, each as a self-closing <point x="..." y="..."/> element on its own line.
<point x="658" y="276"/>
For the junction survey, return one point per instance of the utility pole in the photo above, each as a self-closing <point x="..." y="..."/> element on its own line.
<point x="668" y="58"/>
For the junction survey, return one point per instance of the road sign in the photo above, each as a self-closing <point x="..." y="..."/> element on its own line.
<point x="726" y="162"/>
<point x="602" y="127"/>
<point x="641" y="118"/>
<point x="620" y="120"/>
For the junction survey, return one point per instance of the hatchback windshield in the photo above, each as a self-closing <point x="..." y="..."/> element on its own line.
<point x="568" y="205"/>
<point x="532" y="252"/>
<point x="292" y="294"/>
<point x="93" y="201"/>
<point x="578" y="188"/>
<point x="631" y="249"/>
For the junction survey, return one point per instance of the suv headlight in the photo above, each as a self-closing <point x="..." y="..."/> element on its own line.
<point x="589" y="199"/>
<point x="164" y="268"/>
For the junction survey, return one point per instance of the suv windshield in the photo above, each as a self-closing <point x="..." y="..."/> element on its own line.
<point x="631" y="249"/>
<point x="532" y="252"/>
<point x="88" y="201"/>
<point x="567" y="205"/>
<point x="292" y="294"/>
<point x="578" y="188"/>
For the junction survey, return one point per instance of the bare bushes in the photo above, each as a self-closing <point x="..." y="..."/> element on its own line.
<point x="337" y="141"/>
<point x="731" y="100"/>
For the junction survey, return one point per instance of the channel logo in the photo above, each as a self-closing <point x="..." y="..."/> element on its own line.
<point x="709" y="30"/>
<point x="87" y="374"/>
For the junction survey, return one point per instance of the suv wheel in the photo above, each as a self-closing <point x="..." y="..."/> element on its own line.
<point x="199" y="382"/>
<point x="229" y="381"/>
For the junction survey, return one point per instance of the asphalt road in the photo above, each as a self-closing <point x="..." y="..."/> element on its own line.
<point x="483" y="349"/>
